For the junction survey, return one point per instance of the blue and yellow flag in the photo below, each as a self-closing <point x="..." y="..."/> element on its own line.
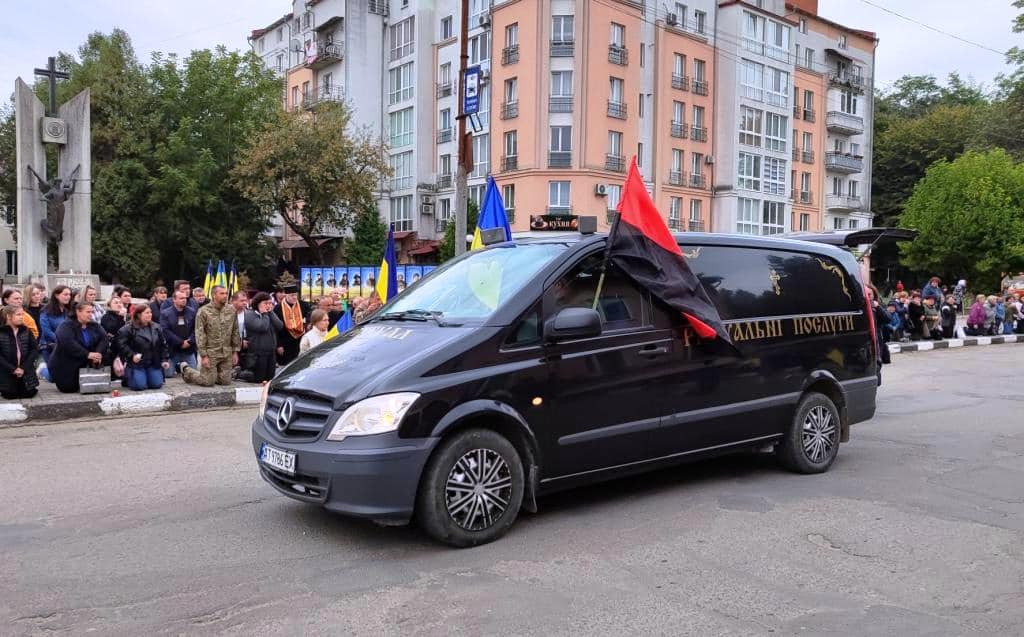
<point x="222" y="278"/>
<point x="492" y="215"/>
<point x="208" y="282"/>
<point x="343" y="325"/>
<point x="387" y="282"/>
<point x="233" y="279"/>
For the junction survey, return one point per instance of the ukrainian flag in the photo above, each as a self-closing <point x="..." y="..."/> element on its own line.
<point x="492" y="215"/>
<point x="233" y="279"/>
<point x="343" y="325"/>
<point x="222" y="278"/>
<point x="208" y="282"/>
<point x="387" y="282"/>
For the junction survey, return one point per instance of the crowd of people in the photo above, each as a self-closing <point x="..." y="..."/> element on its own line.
<point x="207" y="341"/>
<point x="937" y="312"/>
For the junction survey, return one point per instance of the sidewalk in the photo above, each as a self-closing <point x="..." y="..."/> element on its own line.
<point x="51" y="406"/>
<point x="970" y="341"/>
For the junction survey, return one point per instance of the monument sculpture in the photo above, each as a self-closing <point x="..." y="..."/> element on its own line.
<point x="53" y="209"/>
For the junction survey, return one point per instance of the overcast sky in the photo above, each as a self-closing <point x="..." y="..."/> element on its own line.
<point x="183" y="25"/>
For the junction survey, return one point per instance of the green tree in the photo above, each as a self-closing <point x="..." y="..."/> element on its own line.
<point x="969" y="215"/>
<point x="447" y="248"/>
<point x="369" y="234"/>
<point x="315" y="170"/>
<point x="8" y="174"/>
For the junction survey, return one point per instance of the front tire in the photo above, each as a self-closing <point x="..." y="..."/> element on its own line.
<point x="812" y="441"/>
<point x="471" y="490"/>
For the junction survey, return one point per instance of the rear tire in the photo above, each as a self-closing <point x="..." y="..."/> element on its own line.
<point x="472" y="489"/>
<point x="812" y="440"/>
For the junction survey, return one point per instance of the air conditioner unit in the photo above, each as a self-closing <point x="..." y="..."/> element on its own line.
<point x="427" y="200"/>
<point x="426" y="208"/>
<point x="601" y="190"/>
<point x="485" y="77"/>
<point x="708" y="159"/>
<point x="671" y="19"/>
<point x="484" y="21"/>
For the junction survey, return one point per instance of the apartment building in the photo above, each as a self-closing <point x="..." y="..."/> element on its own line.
<point x="746" y="116"/>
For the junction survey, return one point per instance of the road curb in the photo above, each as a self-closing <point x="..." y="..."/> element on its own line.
<point x="74" y="406"/>
<point x="972" y="341"/>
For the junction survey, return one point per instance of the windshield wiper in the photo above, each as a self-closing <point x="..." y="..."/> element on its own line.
<point x="417" y="315"/>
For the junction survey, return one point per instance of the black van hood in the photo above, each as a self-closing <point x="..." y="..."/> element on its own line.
<point x="351" y="366"/>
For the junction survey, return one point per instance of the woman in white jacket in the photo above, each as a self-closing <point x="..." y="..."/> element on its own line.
<point x="318" y="325"/>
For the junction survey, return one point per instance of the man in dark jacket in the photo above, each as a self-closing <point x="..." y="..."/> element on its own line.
<point x="183" y="286"/>
<point x="178" y="323"/>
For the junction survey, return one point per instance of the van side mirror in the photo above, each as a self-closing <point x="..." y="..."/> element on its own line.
<point x="572" y="323"/>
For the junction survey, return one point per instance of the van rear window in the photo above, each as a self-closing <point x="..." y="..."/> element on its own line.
<point x="752" y="282"/>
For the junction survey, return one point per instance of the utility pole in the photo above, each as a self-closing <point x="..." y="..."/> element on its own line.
<point x="465" y="160"/>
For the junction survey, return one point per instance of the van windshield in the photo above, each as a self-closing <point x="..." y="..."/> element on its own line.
<point x="476" y="285"/>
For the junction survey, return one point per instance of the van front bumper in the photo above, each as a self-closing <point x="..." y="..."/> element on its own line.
<point x="373" y="477"/>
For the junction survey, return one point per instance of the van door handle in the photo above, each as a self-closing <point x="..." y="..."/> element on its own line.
<point x="653" y="351"/>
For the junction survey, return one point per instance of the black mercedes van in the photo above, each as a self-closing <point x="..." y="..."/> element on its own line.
<point x="494" y="381"/>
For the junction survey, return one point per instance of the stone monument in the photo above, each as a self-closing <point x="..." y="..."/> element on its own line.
<point x="55" y="209"/>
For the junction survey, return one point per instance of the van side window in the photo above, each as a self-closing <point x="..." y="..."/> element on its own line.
<point x="621" y="305"/>
<point x="527" y="332"/>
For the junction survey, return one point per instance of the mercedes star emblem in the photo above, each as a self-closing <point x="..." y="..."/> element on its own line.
<point x="285" y="414"/>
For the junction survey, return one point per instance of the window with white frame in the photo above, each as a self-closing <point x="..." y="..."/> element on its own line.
<point x="750" y="126"/>
<point x="853" y="188"/>
<point x="803" y="25"/>
<point x="677" y="163"/>
<point x="511" y="90"/>
<point x="696" y="164"/>
<point x="512" y="34"/>
<point x="774" y="176"/>
<point x="614" y="196"/>
<point x="640" y="106"/>
<point x="445" y="165"/>
<point x="561" y="139"/>
<point x="679" y="64"/>
<point x="400" y="128"/>
<point x="476" y="194"/>
<point x="617" y="87"/>
<point x="403" y="38"/>
<point x="401" y="82"/>
<point x="773" y="219"/>
<point x="401" y="213"/>
<point x="749" y="172"/>
<point x="681" y="14"/>
<point x="562" y="29"/>
<point x="695" y="209"/>
<point x="698" y="117"/>
<point x="778" y="41"/>
<point x="643" y="55"/>
<point x="444" y="73"/>
<point x="852" y="224"/>
<point x="561" y="84"/>
<point x="748" y="216"/>
<point x="777" y="87"/>
<point x="805" y="221"/>
<point x="805" y="182"/>
<point x="559" y="194"/>
<point x="699" y="70"/>
<point x="511" y="144"/>
<point x="840" y="146"/>
<point x="615" y="143"/>
<point x="855" y="149"/>
<point x="481" y="156"/>
<point x="280" y="34"/>
<point x="477" y="10"/>
<point x="444" y="211"/>
<point x="775" y="132"/>
<point x="837" y="185"/>
<point x="842" y="41"/>
<point x="402" y="171"/>
<point x="675" y="204"/>
<point x="446" y="28"/>
<point x="753" y="32"/>
<point x="480" y="48"/>
<point x="260" y="45"/>
<point x="484" y="114"/>
<point x="508" y="196"/>
<point x="837" y="223"/>
<point x="809" y="58"/>
<point x="679" y="113"/>
<point x="618" y="35"/>
<point x="700" y="21"/>
<point x="808" y="142"/>
<point x="640" y="155"/>
<point x="848" y="102"/>
<point x="752" y="80"/>
<point x="809" y="100"/>
<point x="444" y="119"/>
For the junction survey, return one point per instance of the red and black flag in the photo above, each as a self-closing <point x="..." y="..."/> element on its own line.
<point x="641" y="245"/>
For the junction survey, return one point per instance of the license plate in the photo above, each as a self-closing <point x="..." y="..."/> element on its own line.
<point x="280" y="460"/>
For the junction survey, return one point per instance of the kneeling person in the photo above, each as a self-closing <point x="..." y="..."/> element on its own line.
<point x="142" y="347"/>
<point x="217" y="340"/>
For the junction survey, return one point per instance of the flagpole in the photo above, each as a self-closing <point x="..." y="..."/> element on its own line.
<point x="607" y="253"/>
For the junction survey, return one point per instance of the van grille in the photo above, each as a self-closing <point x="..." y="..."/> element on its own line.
<point x="309" y="417"/>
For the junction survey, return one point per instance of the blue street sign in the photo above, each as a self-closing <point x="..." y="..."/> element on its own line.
<point x="471" y="91"/>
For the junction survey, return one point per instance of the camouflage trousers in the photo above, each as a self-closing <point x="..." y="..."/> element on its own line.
<point x="219" y="372"/>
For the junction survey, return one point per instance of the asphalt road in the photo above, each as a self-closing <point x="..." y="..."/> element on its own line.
<point x="149" y="526"/>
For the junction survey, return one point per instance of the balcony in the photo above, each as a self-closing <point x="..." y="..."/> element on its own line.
<point x="441" y="225"/>
<point x="699" y="133"/>
<point x="444" y="135"/>
<point x="509" y="162"/>
<point x="674" y="223"/>
<point x="842" y="203"/>
<point x="616" y="163"/>
<point x="510" y="54"/>
<point x="802" y="196"/>
<point x="444" y="181"/>
<point x="401" y="183"/>
<point x="563" y="48"/>
<point x="695" y="226"/>
<point x="510" y="214"/>
<point x="797" y="112"/>
<point x="844" y="163"/>
<point x="678" y="129"/>
<point x="618" y="54"/>
<point x="680" y="82"/>
<point x="807" y="156"/>
<point x="326" y="55"/>
<point x="560" y="104"/>
<point x="809" y="115"/>
<point x="510" y="110"/>
<point x="700" y="87"/>
<point x="323" y="95"/>
<point x="676" y="178"/>
<point x="560" y="159"/>
<point x="559" y="210"/>
<point x="616" y="109"/>
<point x="444" y="89"/>
<point x="847" y="80"/>
<point x="844" y="123"/>
<point x="697" y="181"/>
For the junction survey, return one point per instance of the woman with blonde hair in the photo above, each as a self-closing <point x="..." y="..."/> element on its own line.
<point x="319" y="322"/>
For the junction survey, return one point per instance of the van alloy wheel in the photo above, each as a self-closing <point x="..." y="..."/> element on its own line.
<point x="820" y="434"/>
<point x="478" y="489"/>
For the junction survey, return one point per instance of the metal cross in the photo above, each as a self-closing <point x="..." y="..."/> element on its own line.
<point x="52" y="75"/>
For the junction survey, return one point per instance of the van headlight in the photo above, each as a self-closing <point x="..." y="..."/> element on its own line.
<point x="375" y="415"/>
<point x="263" y="399"/>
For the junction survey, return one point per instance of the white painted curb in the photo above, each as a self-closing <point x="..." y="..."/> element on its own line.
<point x="925" y="345"/>
<point x="142" y="403"/>
<point x="247" y="395"/>
<point x="984" y="340"/>
<point x="12" y="413"/>
<point x="1010" y="338"/>
<point x="955" y="342"/>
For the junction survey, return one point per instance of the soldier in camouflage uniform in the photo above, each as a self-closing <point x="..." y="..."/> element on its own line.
<point x="217" y="340"/>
